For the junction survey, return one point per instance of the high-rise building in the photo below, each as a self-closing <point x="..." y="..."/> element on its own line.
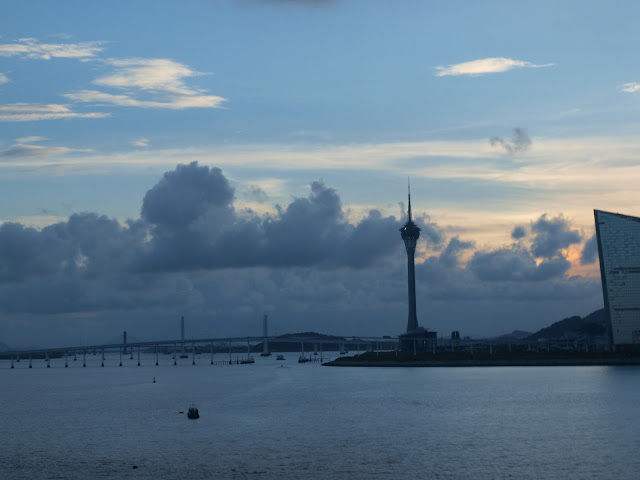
<point x="410" y="233"/>
<point x="618" y="239"/>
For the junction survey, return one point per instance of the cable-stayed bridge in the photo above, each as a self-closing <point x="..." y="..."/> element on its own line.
<point x="182" y="348"/>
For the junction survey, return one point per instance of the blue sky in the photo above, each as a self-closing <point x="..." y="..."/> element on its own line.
<point x="503" y="114"/>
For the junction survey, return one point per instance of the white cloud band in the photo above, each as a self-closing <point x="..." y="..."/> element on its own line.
<point x="485" y="65"/>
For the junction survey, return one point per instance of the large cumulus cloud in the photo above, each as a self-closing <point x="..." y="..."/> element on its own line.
<point x="193" y="250"/>
<point x="188" y="222"/>
<point x="194" y="225"/>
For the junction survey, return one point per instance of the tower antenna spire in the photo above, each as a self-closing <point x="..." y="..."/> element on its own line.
<point x="409" y="191"/>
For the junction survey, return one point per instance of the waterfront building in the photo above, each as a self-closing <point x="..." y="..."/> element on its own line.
<point x="416" y="338"/>
<point x="618" y="238"/>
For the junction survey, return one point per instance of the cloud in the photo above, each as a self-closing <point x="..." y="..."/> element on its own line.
<point x="187" y="223"/>
<point x="550" y="235"/>
<point x="518" y="233"/>
<point x="194" y="226"/>
<point x="31" y="139"/>
<point x="515" y="264"/>
<point x="256" y="194"/>
<point x="25" y="151"/>
<point x="141" y="142"/>
<point x="631" y="87"/>
<point x="179" y="102"/>
<point x="590" y="251"/>
<point x="3" y="79"/>
<point x="30" y="48"/>
<point x="485" y="65"/>
<point x="450" y="254"/>
<point x="26" y="112"/>
<point x="430" y="232"/>
<point x="193" y="253"/>
<point x="149" y="74"/>
<point x="185" y="194"/>
<point x="519" y="142"/>
<point x="148" y="83"/>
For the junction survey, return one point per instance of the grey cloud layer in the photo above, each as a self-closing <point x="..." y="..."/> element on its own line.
<point x="189" y="228"/>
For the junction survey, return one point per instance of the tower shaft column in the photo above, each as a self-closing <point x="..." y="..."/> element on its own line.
<point x="412" y="323"/>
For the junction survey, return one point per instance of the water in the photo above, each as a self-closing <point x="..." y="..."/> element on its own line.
<point x="263" y="421"/>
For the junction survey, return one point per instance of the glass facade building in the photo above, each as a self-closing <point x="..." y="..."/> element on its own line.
<point x="618" y="239"/>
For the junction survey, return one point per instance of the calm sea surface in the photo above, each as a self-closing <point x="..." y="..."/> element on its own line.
<point x="264" y="421"/>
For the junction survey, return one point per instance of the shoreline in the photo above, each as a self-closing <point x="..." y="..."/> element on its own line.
<point x="486" y="362"/>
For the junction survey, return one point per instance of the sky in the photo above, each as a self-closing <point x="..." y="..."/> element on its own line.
<point x="222" y="160"/>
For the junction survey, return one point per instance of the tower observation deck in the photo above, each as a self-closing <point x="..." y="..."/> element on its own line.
<point x="410" y="233"/>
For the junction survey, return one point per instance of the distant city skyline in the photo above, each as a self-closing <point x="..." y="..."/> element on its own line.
<point x="305" y="119"/>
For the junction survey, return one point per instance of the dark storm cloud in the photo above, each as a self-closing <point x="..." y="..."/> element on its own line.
<point x="185" y="194"/>
<point x="519" y="142"/>
<point x="449" y="255"/>
<point x="590" y="251"/>
<point x="187" y="223"/>
<point x="309" y="231"/>
<point x="515" y="265"/>
<point x="430" y="232"/>
<point x="26" y="252"/>
<point x="86" y="243"/>
<point x="192" y="253"/>
<point x="518" y="233"/>
<point x="550" y="235"/>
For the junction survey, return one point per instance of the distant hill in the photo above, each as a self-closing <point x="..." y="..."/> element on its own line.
<point x="593" y="324"/>
<point x="514" y="336"/>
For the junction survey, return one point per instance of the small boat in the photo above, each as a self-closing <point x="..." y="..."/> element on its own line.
<point x="280" y="357"/>
<point x="303" y="359"/>
<point x="244" y="361"/>
<point x="193" y="413"/>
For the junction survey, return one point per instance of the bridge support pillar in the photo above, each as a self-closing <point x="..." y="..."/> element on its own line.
<point x="156" y="355"/>
<point x="30" y="365"/>
<point x="120" y="356"/>
<point x="66" y="360"/>
<point x="175" y="354"/>
<point x="12" y="363"/>
<point x="102" y="360"/>
<point x="193" y="353"/>
<point x="84" y="358"/>
<point x="48" y="363"/>
<point x="211" y="353"/>
<point x="138" y="355"/>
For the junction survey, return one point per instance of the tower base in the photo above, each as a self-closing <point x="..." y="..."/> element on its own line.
<point x="419" y="340"/>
